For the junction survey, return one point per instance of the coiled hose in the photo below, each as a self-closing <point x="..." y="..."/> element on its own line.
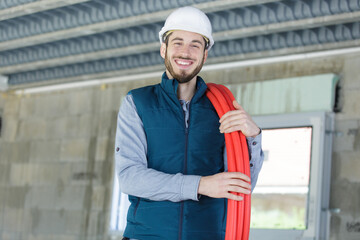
<point x="238" y="212"/>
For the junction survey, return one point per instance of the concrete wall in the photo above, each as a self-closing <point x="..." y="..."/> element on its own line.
<point x="56" y="153"/>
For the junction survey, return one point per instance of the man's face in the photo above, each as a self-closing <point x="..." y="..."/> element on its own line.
<point x="184" y="55"/>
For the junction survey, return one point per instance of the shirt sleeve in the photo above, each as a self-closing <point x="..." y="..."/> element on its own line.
<point x="256" y="157"/>
<point x="134" y="176"/>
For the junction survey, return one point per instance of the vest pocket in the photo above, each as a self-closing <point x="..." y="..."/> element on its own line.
<point x="150" y="215"/>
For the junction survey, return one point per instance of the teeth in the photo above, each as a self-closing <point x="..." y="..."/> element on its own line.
<point x="183" y="63"/>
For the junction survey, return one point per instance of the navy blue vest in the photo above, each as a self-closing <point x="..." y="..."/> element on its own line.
<point x="173" y="148"/>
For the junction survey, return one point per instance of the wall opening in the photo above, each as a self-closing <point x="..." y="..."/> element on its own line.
<point x="281" y="194"/>
<point x="291" y="198"/>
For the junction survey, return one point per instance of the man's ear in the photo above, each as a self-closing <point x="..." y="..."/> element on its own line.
<point x="205" y="55"/>
<point x="163" y="50"/>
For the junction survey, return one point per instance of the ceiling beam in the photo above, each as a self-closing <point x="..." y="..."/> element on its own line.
<point x="34" y="7"/>
<point x="288" y="26"/>
<point x="313" y="50"/>
<point x="92" y="56"/>
<point x="119" y="23"/>
<point x="218" y="36"/>
<point x="147" y="73"/>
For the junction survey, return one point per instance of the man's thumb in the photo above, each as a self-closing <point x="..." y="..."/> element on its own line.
<point x="237" y="105"/>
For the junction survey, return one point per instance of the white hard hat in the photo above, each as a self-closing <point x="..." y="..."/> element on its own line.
<point x="188" y="19"/>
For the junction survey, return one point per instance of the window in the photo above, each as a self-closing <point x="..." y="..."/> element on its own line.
<point x="280" y="197"/>
<point x="291" y="198"/>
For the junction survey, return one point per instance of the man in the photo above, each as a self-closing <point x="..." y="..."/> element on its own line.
<point x="170" y="150"/>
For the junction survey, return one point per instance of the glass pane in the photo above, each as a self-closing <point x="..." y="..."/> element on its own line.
<point x="279" y="200"/>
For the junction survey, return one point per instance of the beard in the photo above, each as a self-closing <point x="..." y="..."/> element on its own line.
<point x="183" y="76"/>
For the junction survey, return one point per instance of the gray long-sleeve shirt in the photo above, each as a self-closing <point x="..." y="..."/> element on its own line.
<point x="136" y="179"/>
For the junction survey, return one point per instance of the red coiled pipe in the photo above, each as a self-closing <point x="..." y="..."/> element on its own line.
<point x="238" y="212"/>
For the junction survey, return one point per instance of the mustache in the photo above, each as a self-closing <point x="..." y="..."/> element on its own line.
<point x="184" y="58"/>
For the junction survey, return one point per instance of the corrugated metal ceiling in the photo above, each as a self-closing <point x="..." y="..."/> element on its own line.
<point x="54" y="41"/>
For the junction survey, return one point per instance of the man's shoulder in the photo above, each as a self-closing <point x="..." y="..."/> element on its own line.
<point x="145" y="97"/>
<point x="143" y="89"/>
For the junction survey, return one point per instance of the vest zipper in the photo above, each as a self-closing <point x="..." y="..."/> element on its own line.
<point x="185" y="167"/>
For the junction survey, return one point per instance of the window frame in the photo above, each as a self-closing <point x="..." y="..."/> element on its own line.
<point x="318" y="215"/>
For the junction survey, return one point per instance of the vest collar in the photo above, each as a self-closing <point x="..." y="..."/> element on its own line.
<point x="170" y="87"/>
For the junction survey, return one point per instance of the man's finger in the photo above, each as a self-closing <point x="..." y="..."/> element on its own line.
<point x="237" y="105"/>
<point x="240" y="183"/>
<point x="238" y="175"/>
<point x="234" y="197"/>
<point x="231" y="128"/>
<point x="234" y="118"/>
<point x="239" y="190"/>
<point x="231" y="113"/>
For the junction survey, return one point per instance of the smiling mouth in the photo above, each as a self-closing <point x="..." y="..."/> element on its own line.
<point x="183" y="63"/>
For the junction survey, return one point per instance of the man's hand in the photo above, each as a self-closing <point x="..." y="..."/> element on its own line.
<point x="238" y="120"/>
<point x="222" y="184"/>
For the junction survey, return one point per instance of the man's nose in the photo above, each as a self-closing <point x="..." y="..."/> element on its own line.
<point x="185" y="52"/>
